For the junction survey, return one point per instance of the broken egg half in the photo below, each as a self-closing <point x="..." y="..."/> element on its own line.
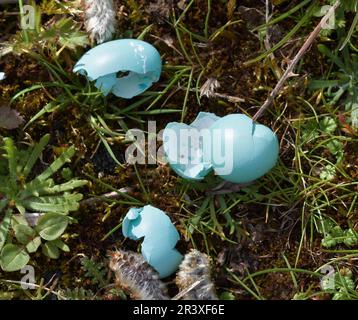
<point x="235" y="147"/>
<point x="159" y="238"/>
<point x="125" y="67"/>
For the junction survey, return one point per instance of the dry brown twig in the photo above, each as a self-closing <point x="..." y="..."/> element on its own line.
<point x="289" y="71"/>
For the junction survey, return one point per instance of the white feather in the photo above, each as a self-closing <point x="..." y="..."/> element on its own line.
<point x="100" y="19"/>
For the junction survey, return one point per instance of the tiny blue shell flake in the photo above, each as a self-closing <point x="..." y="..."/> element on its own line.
<point x="103" y="62"/>
<point x="2" y="76"/>
<point x="160" y="237"/>
<point x="234" y="147"/>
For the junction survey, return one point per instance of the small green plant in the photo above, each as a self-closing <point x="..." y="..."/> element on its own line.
<point x="341" y="84"/>
<point x="60" y="34"/>
<point x="95" y="270"/>
<point x="333" y="234"/>
<point x="76" y="294"/>
<point x="18" y="237"/>
<point x="321" y="133"/>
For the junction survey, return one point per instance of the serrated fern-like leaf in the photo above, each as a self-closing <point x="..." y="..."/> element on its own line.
<point x="57" y="164"/>
<point x="40" y="195"/>
<point x="64" y="187"/>
<point x="10" y="150"/>
<point x="35" y="154"/>
<point x="4" y="227"/>
<point x="62" y="203"/>
<point x="35" y="188"/>
<point x="94" y="270"/>
<point x="76" y="294"/>
<point x="48" y="187"/>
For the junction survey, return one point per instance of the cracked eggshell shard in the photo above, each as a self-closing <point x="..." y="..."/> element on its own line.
<point x="139" y="58"/>
<point x="160" y="237"/>
<point x="2" y="76"/>
<point x="242" y="151"/>
<point x="186" y="156"/>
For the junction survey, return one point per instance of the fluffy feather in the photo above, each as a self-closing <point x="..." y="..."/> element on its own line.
<point x="136" y="277"/>
<point x="195" y="268"/>
<point x="100" y="19"/>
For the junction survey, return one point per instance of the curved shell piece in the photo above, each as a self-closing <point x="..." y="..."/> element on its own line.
<point x="139" y="58"/>
<point x="251" y="150"/>
<point x="160" y="237"/>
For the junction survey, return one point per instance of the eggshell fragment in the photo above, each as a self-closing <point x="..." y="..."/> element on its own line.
<point x="2" y="76"/>
<point x="236" y="148"/>
<point x="139" y="58"/>
<point x="160" y="237"/>
<point x="186" y="156"/>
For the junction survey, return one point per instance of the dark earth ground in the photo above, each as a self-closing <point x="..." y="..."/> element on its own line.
<point x="268" y="231"/>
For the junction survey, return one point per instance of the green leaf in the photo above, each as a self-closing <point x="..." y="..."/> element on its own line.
<point x="322" y="84"/>
<point x="328" y="172"/>
<point x="328" y="125"/>
<point x="309" y="130"/>
<point x="18" y="219"/>
<point x="226" y="295"/>
<point x="50" y="249"/>
<point x="67" y="174"/>
<point x="336" y="148"/>
<point x="33" y="245"/>
<point x="36" y="152"/>
<point x="13" y="258"/>
<point x="61" y="245"/>
<point x="351" y="238"/>
<point x="331" y="23"/>
<point x="70" y="36"/>
<point x="4" y="227"/>
<point x="20" y="207"/>
<point x="328" y="52"/>
<point x="10" y="155"/>
<point x="64" y="203"/>
<point x="57" y="164"/>
<point x="52" y="225"/>
<point x="24" y="234"/>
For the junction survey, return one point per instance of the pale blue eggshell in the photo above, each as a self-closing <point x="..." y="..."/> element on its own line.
<point x="160" y="237"/>
<point x="186" y="156"/>
<point x="103" y="62"/>
<point x="254" y="148"/>
<point x="2" y="76"/>
<point x="164" y="260"/>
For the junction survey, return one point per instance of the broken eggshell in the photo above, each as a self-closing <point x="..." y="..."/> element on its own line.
<point x="139" y="58"/>
<point x="236" y="148"/>
<point x="2" y="76"/>
<point x="184" y="155"/>
<point x="160" y="237"/>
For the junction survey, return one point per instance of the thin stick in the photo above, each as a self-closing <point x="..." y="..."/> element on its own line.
<point x="314" y="34"/>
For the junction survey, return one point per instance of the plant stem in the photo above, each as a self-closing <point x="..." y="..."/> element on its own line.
<point x="314" y="34"/>
<point x="21" y="7"/>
